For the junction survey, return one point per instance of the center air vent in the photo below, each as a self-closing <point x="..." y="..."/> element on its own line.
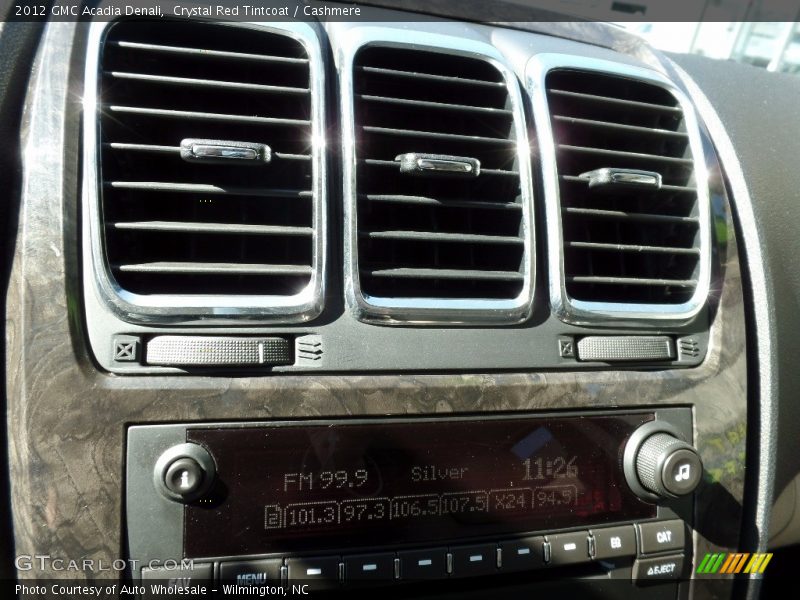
<point x="632" y="208"/>
<point x="210" y="196"/>
<point x="441" y="197"/>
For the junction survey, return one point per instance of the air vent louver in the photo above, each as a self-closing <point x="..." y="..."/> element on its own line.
<point x="427" y="235"/>
<point x="226" y="226"/>
<point x="624" y="243"/>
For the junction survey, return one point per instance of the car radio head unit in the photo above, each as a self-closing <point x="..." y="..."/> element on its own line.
<point x="307" y="487"/>
<point x="224" y="491"/>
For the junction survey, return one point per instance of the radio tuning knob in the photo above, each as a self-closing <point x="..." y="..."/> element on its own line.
<point x="659" y="465"/>
<point x="184" y="472"/>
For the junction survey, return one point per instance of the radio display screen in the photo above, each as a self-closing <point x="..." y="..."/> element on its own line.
<point x="295" y="487"/>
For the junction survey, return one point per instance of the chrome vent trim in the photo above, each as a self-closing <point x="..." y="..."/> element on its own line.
<point x="207" y="308"/>
<point x="583" y="312"/>
<point x="429" y="310"/>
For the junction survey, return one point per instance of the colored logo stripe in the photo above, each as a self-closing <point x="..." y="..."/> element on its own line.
<point x="718" y="563"/>
<point x="734" y="563"/>
<point x="728" y="561"/>
<point x="729" y="564"/>
<point x="702" y="567"/>
<point x="758" y="563"/>
<point x="738" y="567"/>
<point x="711" y="563"/>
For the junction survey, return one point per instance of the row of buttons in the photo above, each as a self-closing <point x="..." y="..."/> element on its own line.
<point x="507" y="556"/>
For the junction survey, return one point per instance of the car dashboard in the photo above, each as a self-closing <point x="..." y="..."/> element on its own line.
<point x="410" y="306"/>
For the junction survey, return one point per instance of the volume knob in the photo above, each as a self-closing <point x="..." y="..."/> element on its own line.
<point x="667" y="466"/>
<point x="659" y="465"/>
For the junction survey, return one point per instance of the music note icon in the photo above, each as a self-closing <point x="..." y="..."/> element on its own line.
<point x="684" y="472"/>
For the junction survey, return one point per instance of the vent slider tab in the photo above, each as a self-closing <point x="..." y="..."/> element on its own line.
<point x="634" y="348"/>
<point x="218" y="351"/>
<point x="612" y="177"/>
<point x="416" y="163"/>
<point x="224" y="151"/>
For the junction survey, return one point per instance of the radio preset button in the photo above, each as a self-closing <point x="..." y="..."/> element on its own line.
<point x="423" y="564"/>
<point x="369" y="567"/>
<point x="469" y="561"/>
<point x="318" y="572"/>
<point x="522" y="555"/>
<point x="661" y="536"/>
<point x="569" y="548"/>
<point x="613" y="542"/>
<point x="251" y="572"/>
<point x="658" y="569"/>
